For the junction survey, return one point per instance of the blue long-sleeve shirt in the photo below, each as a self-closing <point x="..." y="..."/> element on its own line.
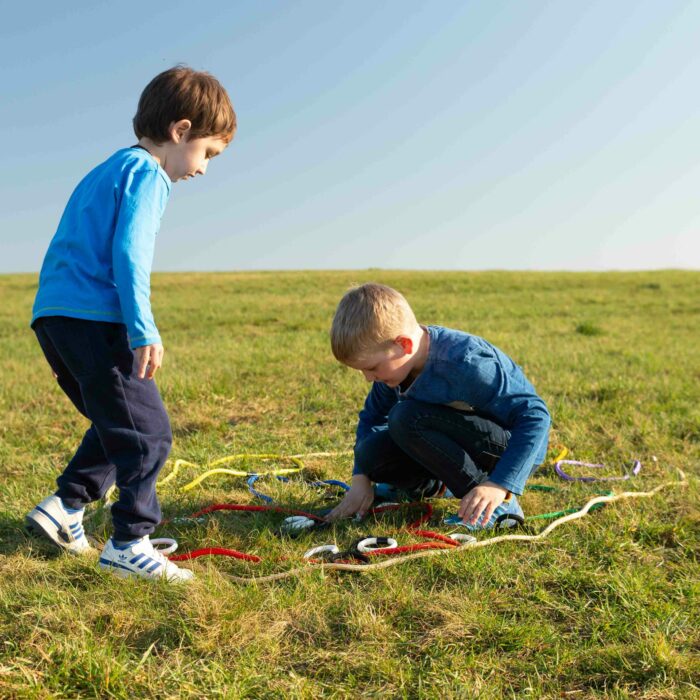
<point x="98" y="264"/>
<point x="465" y="371"/>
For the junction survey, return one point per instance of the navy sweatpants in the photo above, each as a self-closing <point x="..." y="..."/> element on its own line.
<point x="129" y="437"/>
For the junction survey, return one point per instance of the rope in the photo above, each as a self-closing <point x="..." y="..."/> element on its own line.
<point x="366" y="568"/>
<point x="215" y="469"/>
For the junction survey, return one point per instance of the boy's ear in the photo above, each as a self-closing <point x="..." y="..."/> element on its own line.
<point x="178" y="130"/>
<point x="406" y="344"/>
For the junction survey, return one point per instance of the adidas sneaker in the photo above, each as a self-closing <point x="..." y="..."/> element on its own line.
<point x="52" y="521"/>
<point x="141" y="559"/>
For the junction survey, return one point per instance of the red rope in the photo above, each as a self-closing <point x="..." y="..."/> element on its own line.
<point x="443" y="542"/>
<point x="219" y="551"/>
<point x="411" y="548"/>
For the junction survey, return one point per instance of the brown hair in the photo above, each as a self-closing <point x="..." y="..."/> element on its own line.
<point x="368" y="318"/>
<point x="183" y="93"/>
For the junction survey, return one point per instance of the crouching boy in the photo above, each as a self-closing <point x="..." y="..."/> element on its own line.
<point x="447" y="410"/>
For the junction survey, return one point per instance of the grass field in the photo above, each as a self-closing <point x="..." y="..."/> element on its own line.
<point x="608" y="606"/>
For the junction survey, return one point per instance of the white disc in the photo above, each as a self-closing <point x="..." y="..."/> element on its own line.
<point x="320" y="550"/>
<point x="370" y="543"/>
<point x="170" y="544"/>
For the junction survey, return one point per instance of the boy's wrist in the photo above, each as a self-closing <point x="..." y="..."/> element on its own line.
<point x="493" y="484"/>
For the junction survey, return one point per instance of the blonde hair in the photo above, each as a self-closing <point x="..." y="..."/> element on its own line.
<point x="369" y="317"/>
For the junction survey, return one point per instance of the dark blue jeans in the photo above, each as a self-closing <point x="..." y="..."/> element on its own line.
<point x="129" y="437"/>
<point x="425" y="440"/>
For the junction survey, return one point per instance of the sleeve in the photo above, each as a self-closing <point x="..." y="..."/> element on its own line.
<point x="514" y="405"/>
<point x="143" y="199"/>
<point x="374" y="415"/>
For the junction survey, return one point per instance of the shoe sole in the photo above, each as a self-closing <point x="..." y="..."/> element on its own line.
<point x="120" y="572"/>
<point x="41" y="527"/>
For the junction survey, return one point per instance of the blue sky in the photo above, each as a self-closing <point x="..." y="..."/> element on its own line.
<point x="397" y="134"/>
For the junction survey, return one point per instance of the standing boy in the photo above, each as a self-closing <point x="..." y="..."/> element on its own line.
<point x="447" y="410"/>
<point x="92" y="317"/>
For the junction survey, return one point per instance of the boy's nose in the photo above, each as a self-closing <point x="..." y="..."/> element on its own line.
<point x="202" y="168"/>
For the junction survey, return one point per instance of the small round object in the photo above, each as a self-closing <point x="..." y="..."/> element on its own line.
<point x="368" y="544"/>
<point x="321" y="549"/>
<point x="296" y="523"/>
<point x="170" y="544"/>
<point x="505" y="517"/>
<point x="463" y="538"/>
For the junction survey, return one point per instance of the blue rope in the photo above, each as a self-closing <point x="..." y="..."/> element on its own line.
<point x="264" y="497"/>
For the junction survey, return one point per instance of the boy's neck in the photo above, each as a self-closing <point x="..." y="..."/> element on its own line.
<point x="156" y="150"/>
<point x="422" y="339"/>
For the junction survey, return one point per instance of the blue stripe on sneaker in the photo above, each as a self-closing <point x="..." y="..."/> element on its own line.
<point x="154" y="567"/>
<point x="136" y="558"/>
<point x="114" y="564"/>
<point x="145" y="562"/>
<point x="50" y="517"/>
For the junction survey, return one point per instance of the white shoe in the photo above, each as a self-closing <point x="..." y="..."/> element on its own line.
<point x="140" y="558"/>
<point x="51" y="520"/>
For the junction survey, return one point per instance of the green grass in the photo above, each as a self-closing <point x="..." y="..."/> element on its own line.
<point x="606" y="607"/>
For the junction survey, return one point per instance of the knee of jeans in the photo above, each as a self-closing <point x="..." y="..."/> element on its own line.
<point x="401" y="420"/>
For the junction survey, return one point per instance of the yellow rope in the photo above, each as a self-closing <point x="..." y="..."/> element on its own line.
<point x="214" y="469"/>
<point x="560" y="456"/>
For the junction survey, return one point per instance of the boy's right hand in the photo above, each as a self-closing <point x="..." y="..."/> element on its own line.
<point x="358" y="500"/>
<point x="149" y="358"/>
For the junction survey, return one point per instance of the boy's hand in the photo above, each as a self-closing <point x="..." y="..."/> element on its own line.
<point x="149" y="357"/>
<point x="358" y="499"/>
<point x="484" y="498"/>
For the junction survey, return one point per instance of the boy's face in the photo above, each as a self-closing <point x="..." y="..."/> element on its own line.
<point x="389" y="366"/>
<point x="190" y="157"/>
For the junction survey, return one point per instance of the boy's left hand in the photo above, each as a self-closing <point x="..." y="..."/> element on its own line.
<point x="482" y="499"/>
<point x="149" y="359"/>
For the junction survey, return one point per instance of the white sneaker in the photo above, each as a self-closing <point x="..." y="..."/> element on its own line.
<point x="51" y="520"/>
<point x="140" y="558"/>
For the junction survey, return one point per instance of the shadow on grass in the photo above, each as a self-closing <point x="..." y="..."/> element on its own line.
<point x="14" y="538"/>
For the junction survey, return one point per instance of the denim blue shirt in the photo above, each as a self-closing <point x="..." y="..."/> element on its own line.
<point x="465" y="369"/>
<point x="98" y="265"/>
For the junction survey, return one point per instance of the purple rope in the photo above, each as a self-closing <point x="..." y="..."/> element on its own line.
<point x="636" y="467"/>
